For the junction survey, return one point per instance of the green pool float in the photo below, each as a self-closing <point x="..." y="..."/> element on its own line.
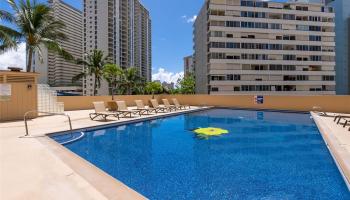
<point x="211" y="131"/>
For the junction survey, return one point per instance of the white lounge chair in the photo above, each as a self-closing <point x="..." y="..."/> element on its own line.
<point x="101" y="111"/>
<point x="124" y="110"/>
<point x="155" y="105"/>
<point x="179" y="106"/>
<point x="168" y="105"/>
<point x="141" y="107"/>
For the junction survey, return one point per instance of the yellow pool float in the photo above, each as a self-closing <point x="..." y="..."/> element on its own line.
<point x="211" y="131"/>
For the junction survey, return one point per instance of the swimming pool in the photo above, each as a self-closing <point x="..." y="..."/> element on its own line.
<point x="265" y="155"/>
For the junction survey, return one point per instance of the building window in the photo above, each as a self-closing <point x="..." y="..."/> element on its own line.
<point x="232" y="24"/>
<point x="315" y="38"/>
<point x="315" y="58"/>
<point x="314" y="28"/>
<point x="289" y="57"/>
<point x="232" y="45"/>
<point x="328" y="78"/>
<point x="276" y="67"/>
<point x="215" y="89"/>
<point x="315" y="48"/>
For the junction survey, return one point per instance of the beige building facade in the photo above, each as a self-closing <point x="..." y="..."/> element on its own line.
<point x="53" y="69"/>
<point x="264" y="47"/>
<point x="122" y="30"/>
<point x="188" y="65"/>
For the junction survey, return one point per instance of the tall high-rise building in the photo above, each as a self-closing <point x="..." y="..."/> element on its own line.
<point x="252" y="46"/>
<point x="53" y="69"/>
<point x="122" y="30"/>
<point x="342" y="41"/>
<point x="188" y="65"/>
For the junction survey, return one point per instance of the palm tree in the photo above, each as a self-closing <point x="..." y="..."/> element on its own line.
<point x="35" y="25"/>
<point x="113" y="74"/>
<point x="93" y="67"/>
<point x="8" y="37"/>
<point x="131" y="80"/>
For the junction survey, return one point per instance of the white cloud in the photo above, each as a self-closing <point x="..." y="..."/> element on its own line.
<point x="14" y="58"/>
<point x="169" y="77"/>
<point x="189" y="19"/>
<point x="192" y="19"/>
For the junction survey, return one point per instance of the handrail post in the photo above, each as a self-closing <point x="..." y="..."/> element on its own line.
<point x="49" y="114"/>
<point x="70" y="122"/>
<point x="26" y="125"/>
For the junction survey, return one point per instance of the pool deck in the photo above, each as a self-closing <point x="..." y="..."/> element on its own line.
<point x="337" y="139"/>
<point x="38" y="168"/>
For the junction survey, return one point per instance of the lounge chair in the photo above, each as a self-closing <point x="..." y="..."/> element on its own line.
<point x="339" y="117"/>
<point x="168" y="105"/>
<point x="141" y="107"/>
<point x="155" y="105"/>
<point x="124" y="110"/>
<point x="347" y="122"/>
<point x="101" y="111"/>
<point x="179" y="106"/>
<point x="317" y="110"/>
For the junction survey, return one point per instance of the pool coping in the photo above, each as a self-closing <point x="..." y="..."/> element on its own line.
<point x="340" y="156"/>
<point x="104" y="183"/>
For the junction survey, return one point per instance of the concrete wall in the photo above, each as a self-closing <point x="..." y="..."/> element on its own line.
<point x="338" y="104"/>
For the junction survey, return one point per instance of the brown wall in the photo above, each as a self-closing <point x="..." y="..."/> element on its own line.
<point x="340" y="104"/>
<point x="85" y="102"/>
<point x="23" y="98"/>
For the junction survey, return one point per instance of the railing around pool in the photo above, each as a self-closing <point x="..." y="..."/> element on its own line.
<point x="47" y="114"/>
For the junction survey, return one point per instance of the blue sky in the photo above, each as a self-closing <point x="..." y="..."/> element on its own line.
<point x="171" y="32"/>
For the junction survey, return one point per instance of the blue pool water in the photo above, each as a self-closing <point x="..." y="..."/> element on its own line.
<point x="266" y="155"/>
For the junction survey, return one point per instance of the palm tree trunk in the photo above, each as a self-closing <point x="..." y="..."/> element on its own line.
<point x="95" y="86"/>
<point x="30" y="60"/>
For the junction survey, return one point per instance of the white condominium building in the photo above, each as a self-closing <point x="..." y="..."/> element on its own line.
<point x="122" y="30"/>
<point x="53" y="69"/>
<point x="264" y="47"/>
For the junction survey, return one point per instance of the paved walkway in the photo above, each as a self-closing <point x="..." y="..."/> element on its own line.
<point x="37" y="168"/>
<point x="337" y="139"/>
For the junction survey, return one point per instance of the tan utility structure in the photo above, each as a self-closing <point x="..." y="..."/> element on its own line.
<point x="18" y="94"/>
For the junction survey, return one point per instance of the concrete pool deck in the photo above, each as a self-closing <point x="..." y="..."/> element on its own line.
<point x="337" y="139"/>
<point x="38" y="168"/>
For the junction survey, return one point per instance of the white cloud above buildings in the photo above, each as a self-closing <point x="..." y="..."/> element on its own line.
<point x="165" y="76"/>
<point x="14" y="58"/>
<point x="189" y="19"/>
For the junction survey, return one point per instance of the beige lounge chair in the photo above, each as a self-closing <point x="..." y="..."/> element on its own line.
<point x="101" y="111"/>
<point x="141" y="107"/>
<point x="179" y="106"/>
<point x="155" y="105"/>
<point x="124" y="110"/>
<point x="168" y="105"/>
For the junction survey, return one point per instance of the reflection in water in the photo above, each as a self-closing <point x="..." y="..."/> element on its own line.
<point x="260" y="115"/>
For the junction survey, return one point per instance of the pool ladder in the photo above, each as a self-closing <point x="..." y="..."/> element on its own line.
<point x="46" y="114"/>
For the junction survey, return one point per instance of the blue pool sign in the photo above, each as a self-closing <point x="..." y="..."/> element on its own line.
<point x="259" y="99"/>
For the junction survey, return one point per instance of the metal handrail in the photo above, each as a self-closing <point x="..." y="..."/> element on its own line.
<point x="48" y="114"/>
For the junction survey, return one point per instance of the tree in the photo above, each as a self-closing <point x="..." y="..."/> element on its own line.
<point x="131" y="80"/>
<point x="113" y="74"/>
<point x="35" y="25"/>
<point x="93" y="67"/>
<point x="186" y="85"/>
<point x="153" y="88"/>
